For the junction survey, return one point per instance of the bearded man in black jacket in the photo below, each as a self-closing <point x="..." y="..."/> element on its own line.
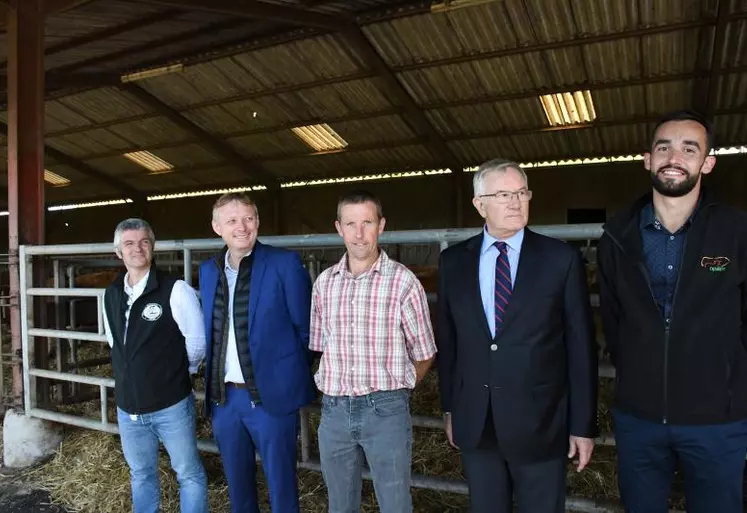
<point x="674" y="305"/>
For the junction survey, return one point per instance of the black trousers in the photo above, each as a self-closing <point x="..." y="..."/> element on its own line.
<point x="493" y="482"/>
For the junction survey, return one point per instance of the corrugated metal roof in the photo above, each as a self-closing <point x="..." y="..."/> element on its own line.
<point x="85" y="144"/>
<point x="613" y="60"/>
<point x="488" y="117"/>
<point x="103" y="105"/>
<point x="735" y="43"/>
<point x="232" y="97"/>
<point x="665" y="97"/>
<point x="619" y="102"/>
<point x="272" y="144"/>
<point x="731" y="90"/>
<point x="133" y="39"/>
<point x="92" y="17"/>
<point x="216" y="175"/>
<point x="540" y="146"/>
<point x="477" y="151"/>
<point x="383" y="129"/>
<point x="626" y="139"/>
<point x="151" y="131"/>
<point x="351" y="164"/>
<point x="731" y="129"/>
<point x="669" y="53"/>
<point x="468" y="80"/>
<point x="82" y="190"/>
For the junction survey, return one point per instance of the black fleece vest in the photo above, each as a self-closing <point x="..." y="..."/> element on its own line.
<point x="151" y="368"/>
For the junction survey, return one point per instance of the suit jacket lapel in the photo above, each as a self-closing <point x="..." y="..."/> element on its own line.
<point x="258" y="272"/>
<point x="472" y="268"/>
<point x="529" y="264"/>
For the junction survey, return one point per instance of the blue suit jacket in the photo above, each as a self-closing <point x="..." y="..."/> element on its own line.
<point x="279" y="315"/>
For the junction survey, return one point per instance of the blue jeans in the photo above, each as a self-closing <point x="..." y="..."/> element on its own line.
<point x="175" y="427"/>
<point x="375" y="426"/>
<point x="711" y="458"/>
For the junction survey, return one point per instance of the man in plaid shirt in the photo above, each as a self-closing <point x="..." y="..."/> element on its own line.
<point x="370" y="321"/>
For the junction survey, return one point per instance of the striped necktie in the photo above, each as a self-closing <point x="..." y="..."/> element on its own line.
<point x="502" y="284"/>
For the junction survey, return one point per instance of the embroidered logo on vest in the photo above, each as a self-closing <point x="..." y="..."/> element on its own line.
<point x="715" y="264"/>
<point x="152" y="312"/>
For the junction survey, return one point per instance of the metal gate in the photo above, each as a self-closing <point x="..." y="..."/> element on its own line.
<point x="66" y="374"/>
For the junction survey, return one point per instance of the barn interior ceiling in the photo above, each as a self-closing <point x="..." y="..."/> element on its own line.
<point x="158" y="97"/>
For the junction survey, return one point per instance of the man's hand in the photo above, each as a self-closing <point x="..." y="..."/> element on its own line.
<point x="447" y="428"/>
<point x="583" y="447"/>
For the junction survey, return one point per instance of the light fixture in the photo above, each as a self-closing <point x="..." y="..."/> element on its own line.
<point x="320" y="138"/>
<point x="569" y="108"/>
<point x="76" y="206"/>
<point x="150" y="73"/>
<point x="211" y="192"/>
<point x="149" y="161"/>
<point x="54" y="179"/>
<point x="365" y="178"/>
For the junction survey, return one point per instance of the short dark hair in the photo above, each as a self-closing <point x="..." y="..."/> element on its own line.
<point x="357" y="197"/>
<point x="688" y="115"/>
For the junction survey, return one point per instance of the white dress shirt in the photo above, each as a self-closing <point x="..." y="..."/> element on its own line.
<point x="187" y="313"/>
<point x="233" y="372"/>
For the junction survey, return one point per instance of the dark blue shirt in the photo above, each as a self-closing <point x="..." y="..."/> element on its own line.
<point x="662" y="254"/>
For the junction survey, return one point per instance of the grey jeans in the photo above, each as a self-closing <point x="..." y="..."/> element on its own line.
<point x="375" y="426"/>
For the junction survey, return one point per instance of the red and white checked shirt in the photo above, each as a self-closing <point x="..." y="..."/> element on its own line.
<point x="370" y="329"/>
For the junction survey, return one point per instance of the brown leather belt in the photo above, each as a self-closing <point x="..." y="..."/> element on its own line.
<point x="235" y="385"/>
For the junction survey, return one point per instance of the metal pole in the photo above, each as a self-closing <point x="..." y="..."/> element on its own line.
<point x="27" y="316"/>
<point x="305" y="436"/>
<point x="70" y="270"/>
<point x="104" y="406"/>
<point x="188" y="266"/>
<point x="59" y="355"/>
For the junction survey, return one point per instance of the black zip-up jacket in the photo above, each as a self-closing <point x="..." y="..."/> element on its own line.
<point x="694" y="370"/>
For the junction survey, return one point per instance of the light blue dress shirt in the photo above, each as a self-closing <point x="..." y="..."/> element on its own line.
<point x="488" y="256"/>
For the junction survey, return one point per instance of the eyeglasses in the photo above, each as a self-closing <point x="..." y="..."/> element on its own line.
<point x="508" y="196"/>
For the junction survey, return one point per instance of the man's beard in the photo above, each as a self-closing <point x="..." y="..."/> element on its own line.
<point x="671" y="188"/>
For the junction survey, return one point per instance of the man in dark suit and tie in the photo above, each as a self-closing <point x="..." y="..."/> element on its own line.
<point x="517" y="359"/>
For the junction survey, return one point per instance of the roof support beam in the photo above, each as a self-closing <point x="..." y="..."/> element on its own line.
<point x="262" y="10"/>
<point x="221" y="147"/>
<point x="717" y="57"/>
<point x="112" y="31"/>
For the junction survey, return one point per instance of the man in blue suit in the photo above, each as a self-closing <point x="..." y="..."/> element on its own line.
<point x="256" y="301"/>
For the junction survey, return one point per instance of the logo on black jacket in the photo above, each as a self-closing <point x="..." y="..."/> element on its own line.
<point x="715" y="264"/>
<point x="152" y="312"/>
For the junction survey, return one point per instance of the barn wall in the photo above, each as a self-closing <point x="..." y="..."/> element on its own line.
<point x="416" y="203"/>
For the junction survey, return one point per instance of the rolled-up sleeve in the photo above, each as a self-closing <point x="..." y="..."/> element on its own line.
<point x="185" y="307"/>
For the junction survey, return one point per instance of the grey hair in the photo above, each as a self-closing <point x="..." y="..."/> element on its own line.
<point x="133" y="224"/>
<point x="494" y="166"/>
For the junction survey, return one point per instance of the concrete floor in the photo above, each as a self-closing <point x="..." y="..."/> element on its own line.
<point x="15" y="498"/>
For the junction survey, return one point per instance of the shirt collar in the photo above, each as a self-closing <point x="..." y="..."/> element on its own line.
<point x="514" y="242"/>
<point x="648" y="217"/>
<point x="227" y="265"/>
<point x="380" y="265"/>
<point x="138" y="288"/>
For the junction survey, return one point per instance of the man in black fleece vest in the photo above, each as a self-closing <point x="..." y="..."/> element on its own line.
<point x="153" y="323"/>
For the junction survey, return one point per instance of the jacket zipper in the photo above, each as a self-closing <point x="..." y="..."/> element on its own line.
<point x="642" y="267"/>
